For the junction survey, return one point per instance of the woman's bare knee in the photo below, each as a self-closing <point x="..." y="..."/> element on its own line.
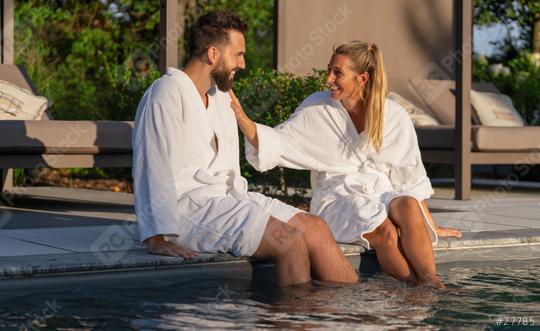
<point x="384" y="235"/>
<point x="401" y="204"/>
<point x="406" y="211"/>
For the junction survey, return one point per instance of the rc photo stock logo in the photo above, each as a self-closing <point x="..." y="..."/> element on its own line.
<point x="111" y="246"/>
<point x="5" y="216"/>
<point x="430" y="83"/>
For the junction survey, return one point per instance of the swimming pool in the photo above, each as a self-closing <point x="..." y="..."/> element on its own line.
<point x="479" y="296"/>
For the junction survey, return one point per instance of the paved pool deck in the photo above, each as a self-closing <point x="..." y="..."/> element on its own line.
<point x="51" y="231"/>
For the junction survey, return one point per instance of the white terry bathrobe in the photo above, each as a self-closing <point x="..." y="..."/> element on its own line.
<point x="186" y="171"/>
<point x="352" y="184"/>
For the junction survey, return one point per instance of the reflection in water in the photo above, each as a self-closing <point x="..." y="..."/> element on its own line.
<point x="474" y="299"/>
<point x="377" y="303"/>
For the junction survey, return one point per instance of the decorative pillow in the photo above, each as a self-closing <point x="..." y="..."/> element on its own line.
<point x="418" y="116"/>
<point x="439" y="96"/>
<point x="17" y="103"/>
<point x="495" y="109"/>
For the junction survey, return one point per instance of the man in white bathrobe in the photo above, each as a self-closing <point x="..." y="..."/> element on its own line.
<point x="189" y="193"/>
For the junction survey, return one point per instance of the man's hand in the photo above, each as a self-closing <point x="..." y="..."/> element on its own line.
<point x="159" y="246"/>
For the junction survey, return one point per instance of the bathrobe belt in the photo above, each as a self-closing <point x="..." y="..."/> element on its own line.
<point x="222" y="183"/>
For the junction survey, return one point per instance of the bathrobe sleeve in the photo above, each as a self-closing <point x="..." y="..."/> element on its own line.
<point x="401" y="154"/>
<point x="290" y="144"/>
<point x="154" y="145"/>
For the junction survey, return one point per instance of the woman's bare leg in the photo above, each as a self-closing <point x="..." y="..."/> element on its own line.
<point x="385" y="241"/>
<point x="441" y="231"/>
<point x="406" y="214"/>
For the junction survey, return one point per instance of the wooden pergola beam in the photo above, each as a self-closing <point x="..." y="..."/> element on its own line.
<point x="6" y="57"/>
<point x="168" y="35"/>
<point x="463" y="10"/>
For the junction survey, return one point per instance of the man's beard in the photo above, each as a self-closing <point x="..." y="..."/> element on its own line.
<point x="221" y="75"/>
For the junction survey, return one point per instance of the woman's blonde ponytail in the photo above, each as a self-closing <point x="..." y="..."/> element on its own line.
<point x="367" y="57"/>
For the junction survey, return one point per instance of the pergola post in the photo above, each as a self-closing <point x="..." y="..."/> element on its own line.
<point x="463" y="10"/>
<point x="6" y="180"/>
<point x="6" y="57"/>
<point x="6" y="32"/>
<point x="168" y="35"/>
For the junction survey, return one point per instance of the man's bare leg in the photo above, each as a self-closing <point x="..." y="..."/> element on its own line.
<point x="327" y="260"/>
<point x="385" y="241"/>
<point x="159" y="246"/>
<point x="441" y="231"/>
<point x="405" y="213"/>
<point x="287" y="247"/>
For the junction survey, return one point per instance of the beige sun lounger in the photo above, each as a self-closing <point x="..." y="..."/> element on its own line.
<point x="59" y="144"/>
<point x="489" y="144"/>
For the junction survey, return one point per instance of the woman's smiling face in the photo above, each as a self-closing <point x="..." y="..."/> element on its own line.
<point x="344" y="83"/>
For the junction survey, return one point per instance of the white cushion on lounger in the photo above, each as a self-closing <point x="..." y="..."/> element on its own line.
<point x="495" y="109"/>
<point x="17" y="103"/>
<point x="418" y="116"/>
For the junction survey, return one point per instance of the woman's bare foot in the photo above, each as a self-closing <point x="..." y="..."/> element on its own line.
<point x="448" y="232"/>
<point x="432" y="282"/>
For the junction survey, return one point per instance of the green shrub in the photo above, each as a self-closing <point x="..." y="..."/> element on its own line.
<point x="269" y="98"/>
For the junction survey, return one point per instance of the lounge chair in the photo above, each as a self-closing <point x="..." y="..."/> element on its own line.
<point x="59" y="144"/>
<point x="50" y="143"/>
<point x="489" y="144"/>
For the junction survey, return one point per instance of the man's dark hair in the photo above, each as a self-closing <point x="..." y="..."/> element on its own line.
<point x="213" y="29"/>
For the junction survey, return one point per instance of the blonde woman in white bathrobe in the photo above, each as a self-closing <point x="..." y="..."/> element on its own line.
<point x="367" y="174"/>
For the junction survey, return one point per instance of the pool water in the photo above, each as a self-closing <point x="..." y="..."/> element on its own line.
<point x="495" y="296"/>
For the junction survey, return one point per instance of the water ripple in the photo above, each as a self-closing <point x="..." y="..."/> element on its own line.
<point x="475" y="298"/>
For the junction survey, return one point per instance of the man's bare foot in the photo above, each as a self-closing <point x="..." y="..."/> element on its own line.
<point x="448" y="232"/>
<point x="159" y="246"/>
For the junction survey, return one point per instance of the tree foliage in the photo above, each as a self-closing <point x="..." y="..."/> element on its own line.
<point x="94" y="59"/>
<point x="259" y="16"/>
<point x="523" y="13"/>
<point x="270" y="98"/>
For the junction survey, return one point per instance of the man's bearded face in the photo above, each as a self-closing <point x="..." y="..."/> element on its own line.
<point x="223" y="76"/>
